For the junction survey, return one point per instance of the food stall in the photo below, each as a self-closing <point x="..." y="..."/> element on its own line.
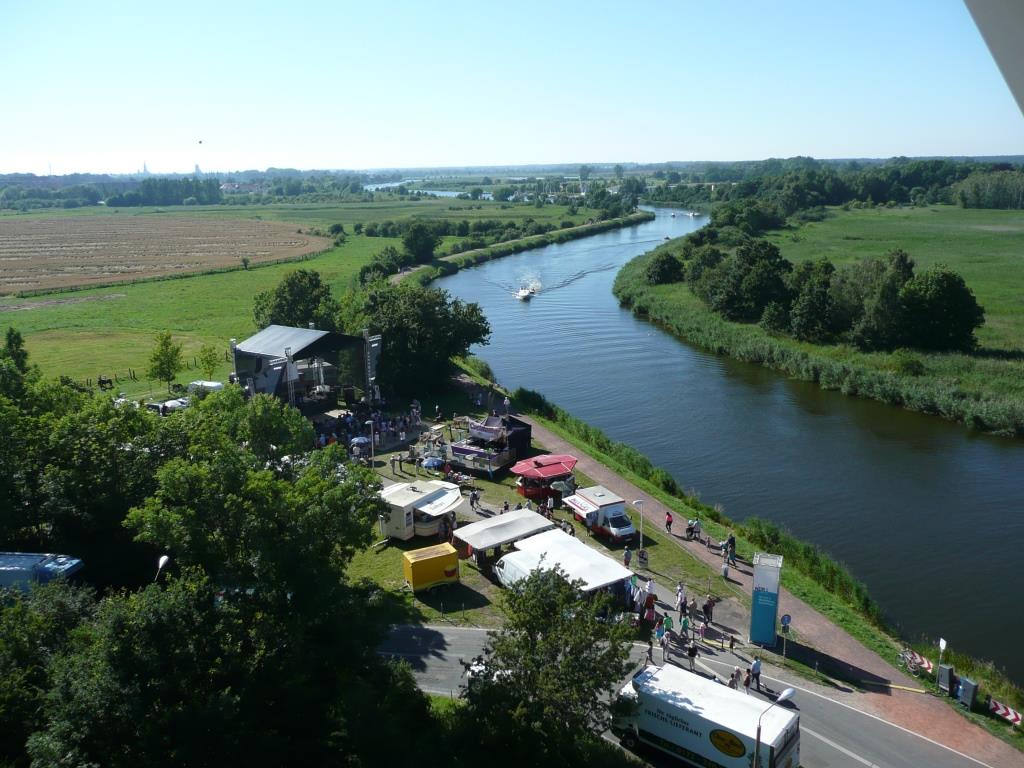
<point x="537" y="474"/>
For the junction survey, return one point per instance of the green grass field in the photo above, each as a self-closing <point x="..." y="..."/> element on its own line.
<point x="985" y="246"/>
<point x="322" y="215"/>
<point x="106" y="331"/>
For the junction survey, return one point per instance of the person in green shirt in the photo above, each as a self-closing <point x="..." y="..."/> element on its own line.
<point x="684" y="627"/>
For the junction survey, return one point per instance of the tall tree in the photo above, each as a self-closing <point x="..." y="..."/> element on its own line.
<point x="882" y="325"/>
<point x="299" y="299"/>
<point x="423" y="329"/>
<point x="420" y="241"/>
<point x="165" y="360"/>
<point x="34" y="630"/>
<point x="940" y="311"/>
<point x="546" y="677"/>
<point x="209" y="359"/>
<point x="811" y="317"/>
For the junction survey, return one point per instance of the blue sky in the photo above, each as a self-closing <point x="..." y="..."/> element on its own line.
<point x="107" y="86"/>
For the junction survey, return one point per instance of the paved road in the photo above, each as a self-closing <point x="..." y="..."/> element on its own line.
<point x="834" y="735"/>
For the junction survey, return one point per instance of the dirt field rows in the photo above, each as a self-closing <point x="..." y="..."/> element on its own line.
<point x="43" y="253"/>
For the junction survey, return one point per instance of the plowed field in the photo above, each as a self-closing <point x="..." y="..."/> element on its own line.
<point x="44" y="253"/>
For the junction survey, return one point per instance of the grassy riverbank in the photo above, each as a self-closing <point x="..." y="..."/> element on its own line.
<point x="448" y="265"/>
<point x="811" y="575"/>
<point x="984" y="391"/>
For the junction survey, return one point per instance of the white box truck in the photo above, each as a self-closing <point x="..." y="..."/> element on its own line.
<point x="703" y="722"/>
<point x="603" y="512"/>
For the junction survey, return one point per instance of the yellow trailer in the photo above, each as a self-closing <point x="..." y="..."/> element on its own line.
<point x="430" y="566"/>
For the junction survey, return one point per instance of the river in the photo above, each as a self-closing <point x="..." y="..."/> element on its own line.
<point x="927" y="514"/>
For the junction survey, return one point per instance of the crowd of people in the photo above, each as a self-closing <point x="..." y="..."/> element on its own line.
<point x="386" y="430"/>
<point x="694" y="621"/>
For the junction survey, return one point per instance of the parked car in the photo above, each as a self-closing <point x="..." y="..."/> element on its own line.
<point x="168" y="406"/>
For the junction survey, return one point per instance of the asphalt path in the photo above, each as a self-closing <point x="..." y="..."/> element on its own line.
<point x="834" y="735"/>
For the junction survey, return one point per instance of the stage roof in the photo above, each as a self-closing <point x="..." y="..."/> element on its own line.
<point x="304" y="342"/>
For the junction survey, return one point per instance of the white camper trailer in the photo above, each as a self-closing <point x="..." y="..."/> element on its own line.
<point x="416" y="509"/>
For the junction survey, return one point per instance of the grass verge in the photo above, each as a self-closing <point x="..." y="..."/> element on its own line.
<point x="985" y="392"/>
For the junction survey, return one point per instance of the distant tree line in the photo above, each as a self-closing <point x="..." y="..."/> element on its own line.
<point x="995" y="189"/>
<point x="162" y="191"/>
<point x="485" y="231"/>
<point x="876" y="304"/>
<point x="785" y="189"/>
<point x="26" y="198"/>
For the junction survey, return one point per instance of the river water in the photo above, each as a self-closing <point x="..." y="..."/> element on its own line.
<point x="927" y="514"/>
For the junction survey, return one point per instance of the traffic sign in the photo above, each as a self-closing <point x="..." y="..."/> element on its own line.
<point x="786" y="619"/>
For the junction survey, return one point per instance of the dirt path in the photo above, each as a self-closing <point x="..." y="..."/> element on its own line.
<point x="920" y="713"/>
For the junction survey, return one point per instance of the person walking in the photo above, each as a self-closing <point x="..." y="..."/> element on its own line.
<point x="668" y="522"/>
<point x="508" y="405"/>
<point x="734" y="678"/>
<point x="755" y="672"/>
<point x="691" y="655"/>
<point x="627" y="557"/>
<point x="693" y="608"/>
<point x="650" y="650"/>
<point x="664" y="648"/>
<point x="681" y="599"/>
<point x="684" y="627"/>
<point x="668" y="623"/>
<point x="703" y="628"/>
<point x="709" y="607"/>
<point x="504" y="507"/>
<point x="651" y="588"/>
<point x="746" y="682"/>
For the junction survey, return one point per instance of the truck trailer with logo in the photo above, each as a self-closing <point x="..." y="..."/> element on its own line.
<point x="703" y="722"/>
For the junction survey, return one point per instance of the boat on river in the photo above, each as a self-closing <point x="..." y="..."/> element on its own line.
<point x="525" y="293"/>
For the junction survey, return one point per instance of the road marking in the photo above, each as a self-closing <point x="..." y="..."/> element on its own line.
<point x="839" y="747"/>
<point x="873" y="717"/>
<point x="440" y="627"/>
<point x="812" y="693"/>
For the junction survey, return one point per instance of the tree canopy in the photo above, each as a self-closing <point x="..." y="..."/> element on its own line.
<point x="420" y="241"/>
<point x="165" y="360"/>
<point x="546" y="677"/>
<point x="423" y="328"/>
<point x="876" y="304"/>
<point x="299" y="299"/>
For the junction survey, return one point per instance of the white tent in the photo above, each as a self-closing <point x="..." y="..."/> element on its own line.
<point x="502" y="529"/>
<point x="575" y="558"/>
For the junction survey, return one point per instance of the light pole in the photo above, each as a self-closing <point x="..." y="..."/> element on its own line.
<point x="369" y="423"/>
<point x="164" y="560"/>
<point x="641" y="553"/>
<point x="786" y="695"/>
<point x="639" y="504"/>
